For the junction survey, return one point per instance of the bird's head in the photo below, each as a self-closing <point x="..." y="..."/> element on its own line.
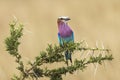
<point x="63" y="19"/>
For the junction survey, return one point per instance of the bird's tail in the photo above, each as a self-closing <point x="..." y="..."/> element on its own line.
<point x="68" y="56"/>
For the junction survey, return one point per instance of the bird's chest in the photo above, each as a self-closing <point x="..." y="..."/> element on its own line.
<point x="65" y="32"/>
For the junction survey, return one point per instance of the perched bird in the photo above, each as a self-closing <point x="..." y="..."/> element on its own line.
<point x="65" y="35"/>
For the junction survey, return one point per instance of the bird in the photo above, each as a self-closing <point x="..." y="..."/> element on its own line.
<point x="65" y="35"/>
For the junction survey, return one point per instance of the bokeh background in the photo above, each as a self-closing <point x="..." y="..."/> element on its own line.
<point x="91" y="20"/>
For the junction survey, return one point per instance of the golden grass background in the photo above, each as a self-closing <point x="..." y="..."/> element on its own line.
<point x="91" y="20"/>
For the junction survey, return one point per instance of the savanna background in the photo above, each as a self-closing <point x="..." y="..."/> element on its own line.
<point x="91" y="20"/>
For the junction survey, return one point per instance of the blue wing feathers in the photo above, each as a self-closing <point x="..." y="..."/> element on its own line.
<point x="60" y="39"/>
<point x="72" y="36"/>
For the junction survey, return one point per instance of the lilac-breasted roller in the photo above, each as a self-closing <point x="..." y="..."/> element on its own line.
<point x="65" y="35"/>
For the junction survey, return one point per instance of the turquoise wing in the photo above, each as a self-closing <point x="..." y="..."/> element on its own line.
<point x="60" y="39"/>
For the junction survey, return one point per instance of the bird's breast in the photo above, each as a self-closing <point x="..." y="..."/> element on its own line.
<point x="65" y="32"/>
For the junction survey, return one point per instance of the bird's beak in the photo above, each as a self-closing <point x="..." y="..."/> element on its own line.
<point x="67" y="19"/>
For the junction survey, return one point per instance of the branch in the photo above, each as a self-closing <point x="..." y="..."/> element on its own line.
<point x="53" y="53"/>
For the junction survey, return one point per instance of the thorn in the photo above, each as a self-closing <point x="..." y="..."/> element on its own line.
<point x="96" y="44"/>
<point x="35" y="75"/>
<point x="27" y="31"/>
<point x="94" y="65"/>
<point x="87" y="54"/>
<point x="15" y="18"/>
<point x="27" y="59"/>
<point x="82" y="53"/>
<point x="92" y="53"/>
<point x="86" y="44"/>
<point x="82" y="41"/>
<point x="104" y="65"/>
<point x="102" y="45"/>
<point x="95" y="70"/>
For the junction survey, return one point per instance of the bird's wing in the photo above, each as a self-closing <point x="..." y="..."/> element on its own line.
<point x="60" y="39"/>
<point x="72" y="37"/>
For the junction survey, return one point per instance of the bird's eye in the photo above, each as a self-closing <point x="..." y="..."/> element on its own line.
<point x="61" y="18"/>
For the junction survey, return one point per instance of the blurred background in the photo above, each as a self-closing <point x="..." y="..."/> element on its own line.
<point x="91" y="20"/>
